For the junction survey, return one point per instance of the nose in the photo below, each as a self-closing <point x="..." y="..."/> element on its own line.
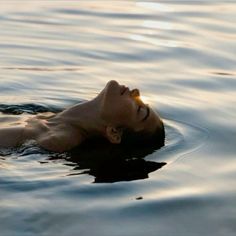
<point x="135" y="93"/>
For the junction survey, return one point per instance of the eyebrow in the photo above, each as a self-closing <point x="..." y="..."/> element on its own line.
<point x="147" y="115"/>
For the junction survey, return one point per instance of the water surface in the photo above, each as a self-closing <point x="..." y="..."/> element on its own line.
<point x="181" y="54"/>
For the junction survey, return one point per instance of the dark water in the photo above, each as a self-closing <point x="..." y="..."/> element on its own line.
<point x="181" y="54"/>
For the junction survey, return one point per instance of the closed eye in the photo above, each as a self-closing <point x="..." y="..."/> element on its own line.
<point x="139" y="107"/>
<point x="147" y="112"/>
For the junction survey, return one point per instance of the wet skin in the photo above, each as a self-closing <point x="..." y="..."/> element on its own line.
<point x="116" y="107"/>
<point x="124" y="107"/>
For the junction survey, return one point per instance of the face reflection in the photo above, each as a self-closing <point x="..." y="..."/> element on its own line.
<point x="123" y="107"/>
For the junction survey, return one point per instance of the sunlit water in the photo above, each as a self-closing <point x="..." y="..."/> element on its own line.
<point x="181" y="54"/>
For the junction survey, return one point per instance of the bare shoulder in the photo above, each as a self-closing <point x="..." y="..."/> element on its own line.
<point x="11" y="136"/>
<point x="60" y="141"/>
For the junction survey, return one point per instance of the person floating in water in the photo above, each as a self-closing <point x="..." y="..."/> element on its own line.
<point x="117" y="114"/>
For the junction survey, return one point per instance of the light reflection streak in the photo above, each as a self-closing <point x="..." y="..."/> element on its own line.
<point x="179" y="193"/>
<point x="155" y="6"/>
<point x="156" y="42"/>
<point x="158" y="25"/>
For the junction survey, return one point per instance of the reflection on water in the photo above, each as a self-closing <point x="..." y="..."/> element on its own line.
<point x="42" y="68"/>
<point x="111" y="163"/>
<point x="181" y="55"/>
<point x="155" y="6"/>
<point x="157" y="25"/>
<point x="156" y="42"/>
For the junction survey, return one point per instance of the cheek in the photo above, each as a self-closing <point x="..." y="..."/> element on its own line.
<point x="119" y="110"/>
<point x="126" y="112"/>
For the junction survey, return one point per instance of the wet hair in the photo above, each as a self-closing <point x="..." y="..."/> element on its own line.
<point x="109" y="162"/>
<point x="143" y="138"/>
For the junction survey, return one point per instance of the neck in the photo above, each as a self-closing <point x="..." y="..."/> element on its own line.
<point x="86" y="117"/>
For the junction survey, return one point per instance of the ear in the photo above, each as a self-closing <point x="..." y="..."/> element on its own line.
<point x="114" y="134"/>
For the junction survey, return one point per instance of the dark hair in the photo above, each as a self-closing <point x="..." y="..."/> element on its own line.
<point x="109" y="162"/>
<point x="144" y="138"/>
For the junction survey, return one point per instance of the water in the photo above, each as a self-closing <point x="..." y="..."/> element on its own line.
<point x="181" y="54"/>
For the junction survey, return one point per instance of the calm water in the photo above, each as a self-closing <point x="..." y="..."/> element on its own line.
<point x="181" y="54"/>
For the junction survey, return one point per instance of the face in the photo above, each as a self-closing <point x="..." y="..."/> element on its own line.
<point x="122" y="107"/>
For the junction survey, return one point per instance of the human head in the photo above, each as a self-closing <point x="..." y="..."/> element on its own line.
<point x="128" y="119"/>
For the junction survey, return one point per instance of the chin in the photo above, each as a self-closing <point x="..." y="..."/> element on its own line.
<point x="112" y="84"/>
<point x="109" y="88"/>
<point x="112" y="89"/>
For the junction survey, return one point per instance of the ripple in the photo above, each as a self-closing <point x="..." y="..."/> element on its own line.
<point x="223" y="73"/>
<point x="26" y="108"/>
<point x="181" y="139"/>
<point x="43" y="68"/>
<point x="180" y="53"/>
